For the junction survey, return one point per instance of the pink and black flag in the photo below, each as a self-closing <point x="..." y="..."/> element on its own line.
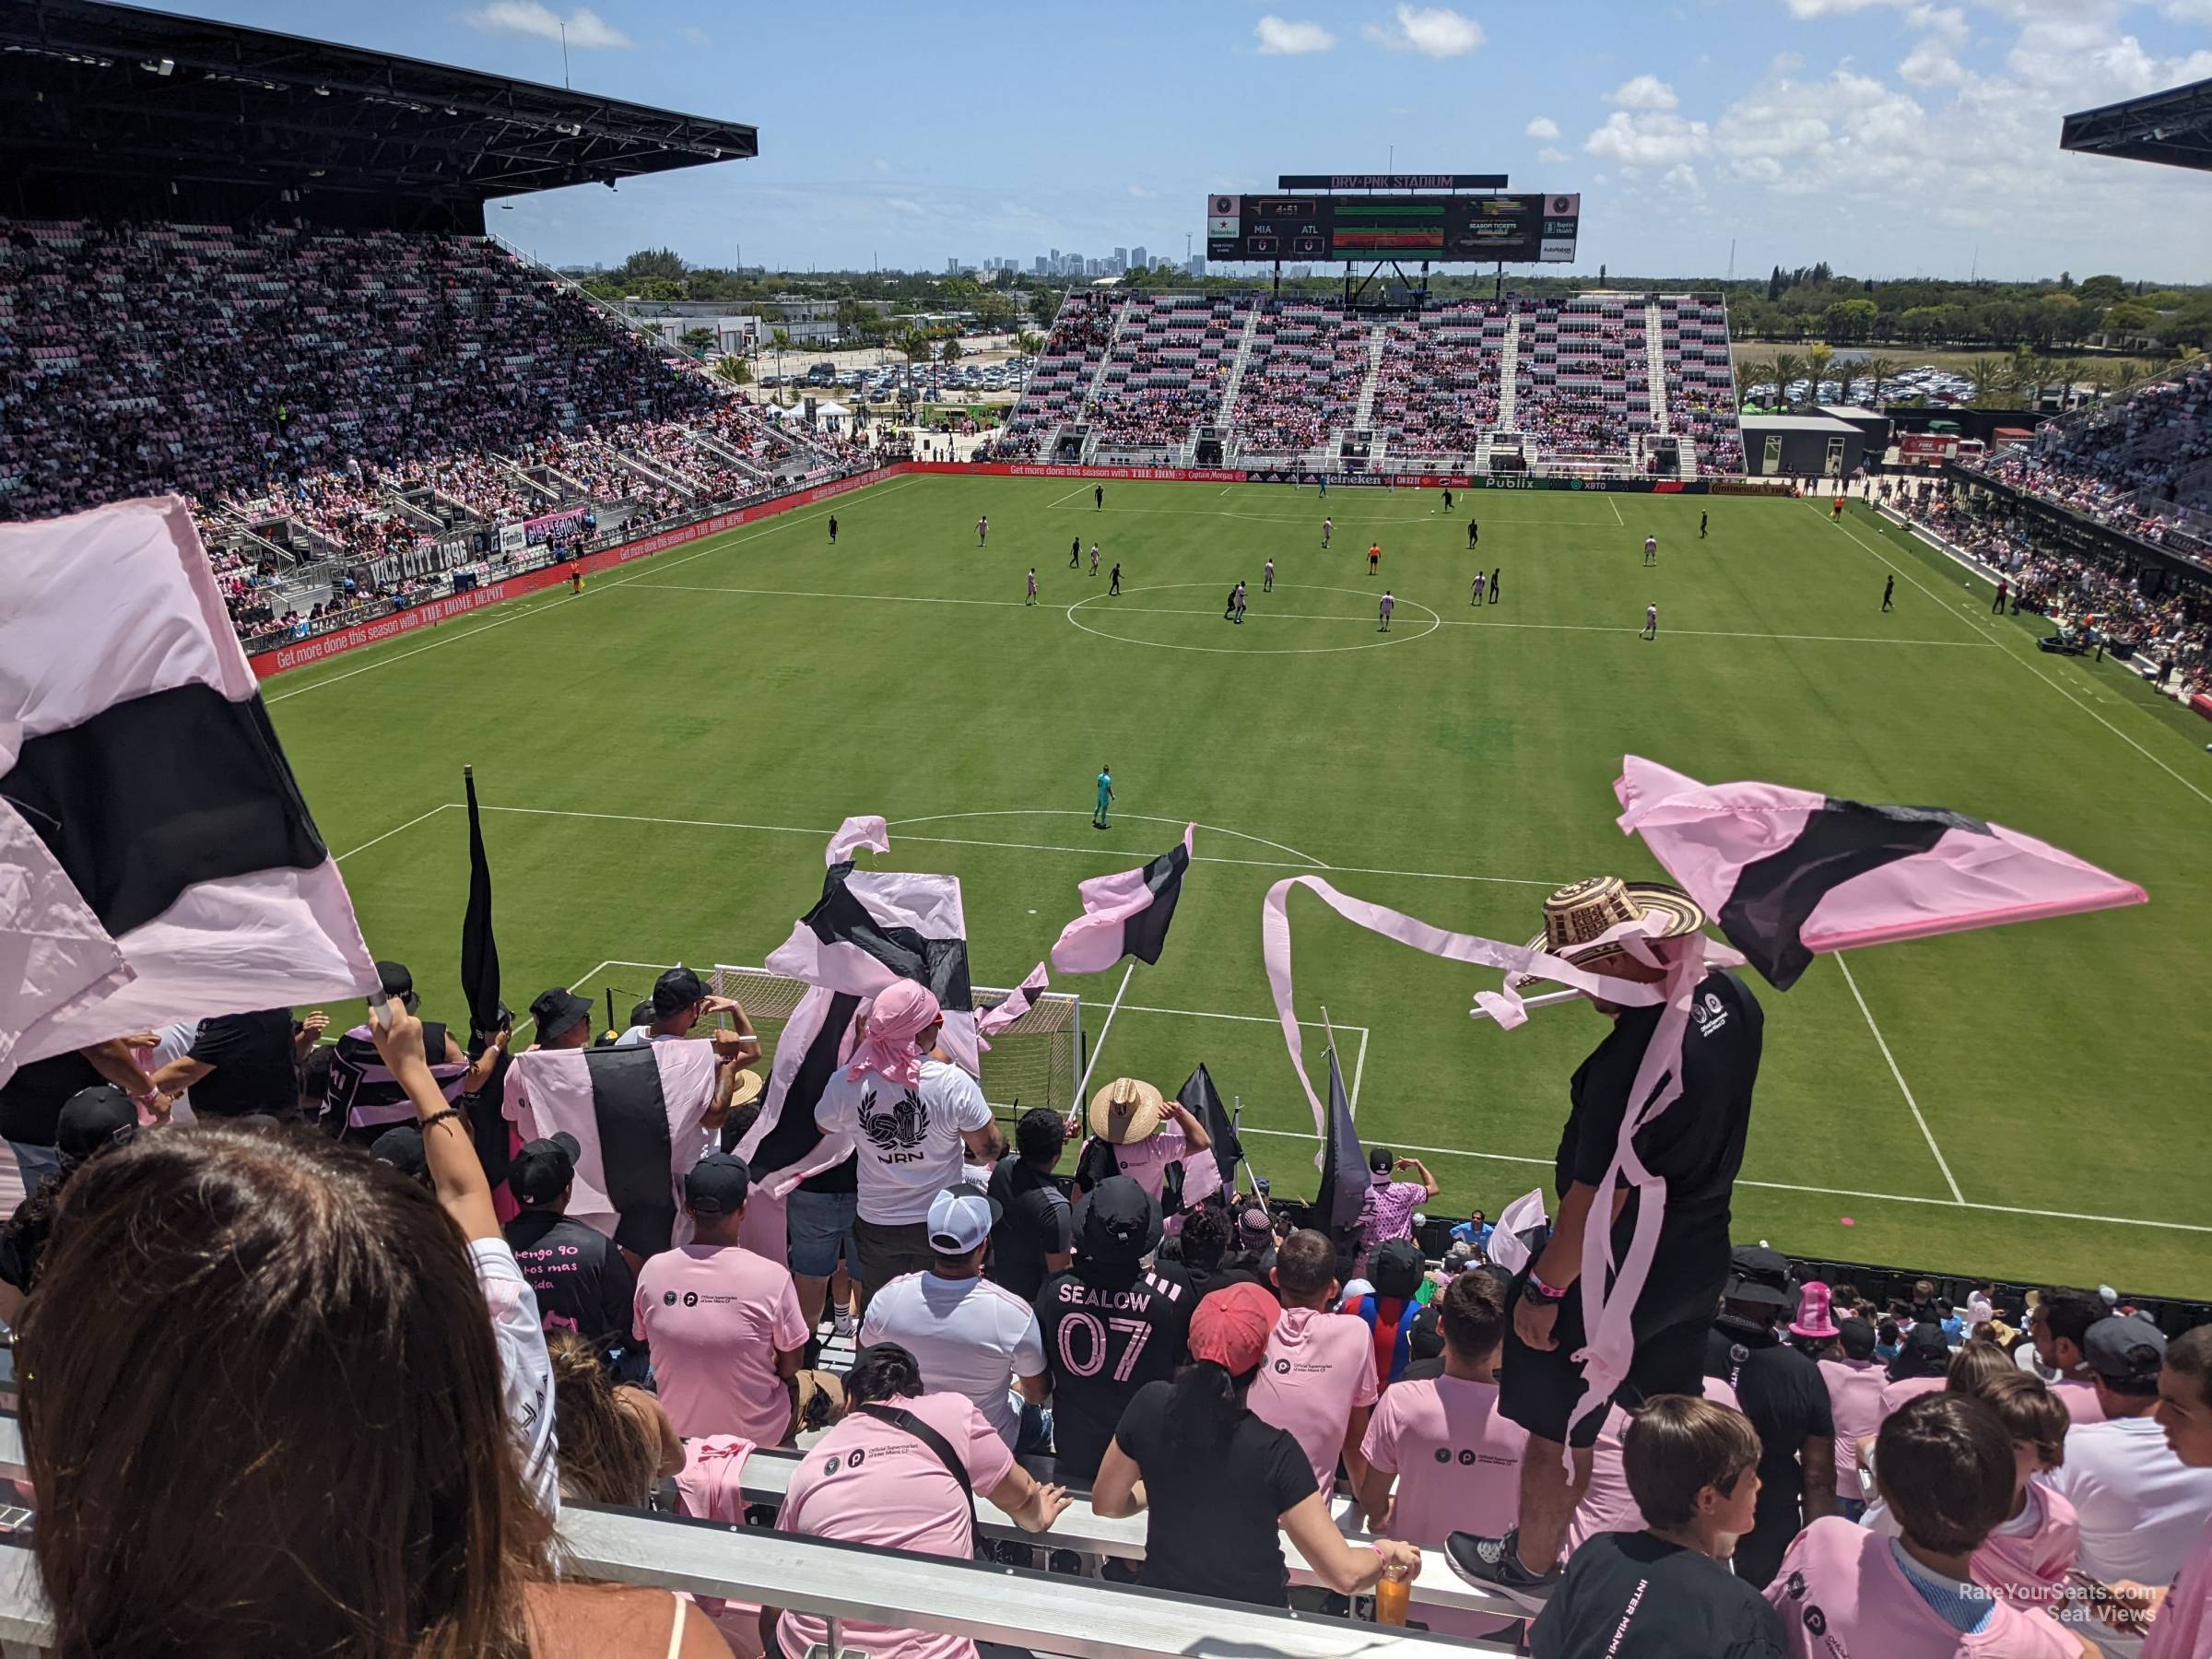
<point x="1344" y="1177"/>
<point x="1019" y="1001"/>
<point x="1124" y="914"/>
<point x="157" y="860"/>
<point x="639" y="1116"/>
<point x="1788" y="874"/>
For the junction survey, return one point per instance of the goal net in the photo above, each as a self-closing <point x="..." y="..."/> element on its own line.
<point x="1037" y="1061"/>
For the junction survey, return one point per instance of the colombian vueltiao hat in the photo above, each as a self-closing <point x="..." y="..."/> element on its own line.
<point x="1586" y="910"/>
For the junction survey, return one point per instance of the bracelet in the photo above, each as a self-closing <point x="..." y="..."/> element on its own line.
<point x="1544" y="1292"/>
<point x="436" y="1118"/>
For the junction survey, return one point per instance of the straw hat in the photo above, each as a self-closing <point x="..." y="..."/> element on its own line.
<point x="1127" y="1110"/>
<point x="1584" y="911"/>
<point x="748" y="1090"/>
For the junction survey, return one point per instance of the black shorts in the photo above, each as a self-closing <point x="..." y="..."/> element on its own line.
<point x="1538" y="1388"/>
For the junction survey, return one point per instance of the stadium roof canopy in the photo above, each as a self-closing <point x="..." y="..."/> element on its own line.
<point x="2173" y="128"/>
<point x="122" y="96"/>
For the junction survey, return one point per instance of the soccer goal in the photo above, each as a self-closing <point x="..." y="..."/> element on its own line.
<point x="1037" y="1061"/>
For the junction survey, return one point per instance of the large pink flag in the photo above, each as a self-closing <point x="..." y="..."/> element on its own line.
<point x="146" y="798"/>
<point x="1788" y="874"/>
<point x="1125" y="913"/>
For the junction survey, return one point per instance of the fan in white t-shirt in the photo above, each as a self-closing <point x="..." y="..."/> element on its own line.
<point x="911" y="1116"/>
<point x="969" y="1335"/>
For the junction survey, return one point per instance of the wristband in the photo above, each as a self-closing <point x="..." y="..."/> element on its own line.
<point x="1544" y="1292"/>
<point x="437" y="1118"/>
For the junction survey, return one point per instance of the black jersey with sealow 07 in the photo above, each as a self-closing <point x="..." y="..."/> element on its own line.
<point x="1107" y="1332"/>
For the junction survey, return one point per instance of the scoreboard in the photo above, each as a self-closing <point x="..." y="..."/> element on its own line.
<point x="1441" y="229"/>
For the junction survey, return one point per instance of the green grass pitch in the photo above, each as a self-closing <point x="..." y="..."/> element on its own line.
<point x="666" y="754"/>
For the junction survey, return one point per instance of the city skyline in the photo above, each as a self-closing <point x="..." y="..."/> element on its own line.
<point x="1884" y="138"/>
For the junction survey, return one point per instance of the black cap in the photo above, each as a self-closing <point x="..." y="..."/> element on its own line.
<point x="91" y="1118"/>
<point x="676" y="990"/>
<point x="401" y="1146"/>
<point x="2122" y="1348"/>
<point x="1117" y="1221"/>
<point x="556" y="1011"/>
<point x="1759" y="1275"/>
<point x="543" y="1169"/>
<point x="1857" y="1336"/>
<point x="717" y="1185"/>
<point x="1424" y="1338"/>
<point x="393" y="980"/>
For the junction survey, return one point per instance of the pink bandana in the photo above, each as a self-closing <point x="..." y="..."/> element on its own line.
<point x="901" y="1013"/>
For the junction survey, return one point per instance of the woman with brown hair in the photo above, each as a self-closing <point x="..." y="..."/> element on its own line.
<point x="616" y="1439"/>
<point x="332" y="1461"/>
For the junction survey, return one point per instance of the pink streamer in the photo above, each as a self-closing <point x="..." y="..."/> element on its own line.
<point x="1019" y="1002"/>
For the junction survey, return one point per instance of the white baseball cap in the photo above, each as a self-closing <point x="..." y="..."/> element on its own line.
<point x="960" y="1218"/>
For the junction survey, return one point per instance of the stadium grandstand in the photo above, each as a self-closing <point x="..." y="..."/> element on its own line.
<point x="743" y="1310"/>
<point x="1599" y="386"/>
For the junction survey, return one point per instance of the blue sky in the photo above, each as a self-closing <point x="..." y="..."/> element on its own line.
<point x="1890" y="137"/>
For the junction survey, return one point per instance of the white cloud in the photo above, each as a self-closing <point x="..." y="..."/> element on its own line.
<point x="1140" y="193"/>
<point x="692" y="37"/>
<point x="1682" y="179"/>
<point x="1947" y="23"/>
<point x="881" y="165"/>
<point x="1281" y="37"/>
<point x="1645" y="92"/>
<point x="2190" y="11"/>
<point x="1434" y="32"/>
<point x="586" y="30"/>
<point x="1930" y="63"/>
<point x="1834" y="9"/>
<point x="1548" y="154"/>
<point x="1544" y="128"/>
<point x="901" y="204"/>
<point x="1657" y="139"/>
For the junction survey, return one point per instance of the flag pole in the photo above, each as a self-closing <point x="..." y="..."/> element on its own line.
<point x="1549" y="999"/>
<point x="1083" y="1088"/>
<point x="1236" y="1127"/>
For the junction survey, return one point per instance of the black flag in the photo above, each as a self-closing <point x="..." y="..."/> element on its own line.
<point x="479" y="950"/>
<point x="1344" y="1179"/>
<point x="1199" y="1096"/>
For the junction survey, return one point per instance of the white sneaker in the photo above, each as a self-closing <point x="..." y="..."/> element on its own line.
<point x="842" y="1328"/>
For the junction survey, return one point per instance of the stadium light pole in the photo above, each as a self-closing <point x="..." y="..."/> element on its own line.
<point x="565" y="83"/>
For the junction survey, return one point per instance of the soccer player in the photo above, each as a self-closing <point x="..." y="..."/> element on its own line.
<point x="1094" y="559"/>
<point x="1241" y="600"/>
<point x="833" y="529"/>
<point x="1701" y="526"/>
<point x="1651" y="623"/>
<point x="1493" y="584"/>
<point x="1387" y="605"/>
<point x="1032" y="598"/>
<point x="1098" y="813"/>
<point x="1113" y="588"/>
<point x="1374" y="557"/>
<point x="1650" y="550"/>
<point x="1835" y="510"/>
<point x="1474" y="535"/>
<point x="1097" y="497"/>
<point x="1229" y="606"/>
<point x="1447" y="500"/>
<point x="2004" y="587"/>
<point x="576" y="578"/>
<point x="1328" y="528"/>
<point x="1889" y="590"/>
<point x="1475" y="593"/>
<point x="1267" y="577"/>
<point x="1075" y="554"/>
<point x="982" y="531"/>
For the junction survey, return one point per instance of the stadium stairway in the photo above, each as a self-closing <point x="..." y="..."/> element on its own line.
<point x="1231" y="386"/>
<point x="1509" y="362"/>
<point x="1654" y="359"/>
<point x="1363" y="419"/>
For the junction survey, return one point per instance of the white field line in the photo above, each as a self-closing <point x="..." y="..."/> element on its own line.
<point x="1618" y="520"/>
<point x="1780" y="1187"/>
<point x="948" y="840"/>
<point x="716" y="544"/>
<point x="529" y="1022"/>
<point x="1071" y="495"/>
<point x="1261" y="616"/>
<point x="387" y="835"/>
<point x="1423" y="517"/>
<point x="1927" y="1133"/>
<point x="2016" y="657"/>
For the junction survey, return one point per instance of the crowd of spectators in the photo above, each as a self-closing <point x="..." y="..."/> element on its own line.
<point x="2099" y="599"/>
<point x="2157" y="441"/>
<point x="1105" y="1313"/>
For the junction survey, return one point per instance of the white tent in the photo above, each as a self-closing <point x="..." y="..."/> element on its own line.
<point x="831" y="411"/>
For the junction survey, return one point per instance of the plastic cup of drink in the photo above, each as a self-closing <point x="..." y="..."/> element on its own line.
<point x="1394" y="1596"/>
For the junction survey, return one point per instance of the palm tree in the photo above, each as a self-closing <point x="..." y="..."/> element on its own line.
<point x="951" y="352"/>
<point x="1787" y="367"/>
<point x="1881" y="370"/>
<point x="1986" y="375"/>
<point x="1029" y="342"/>
<point x="730" y="371"/>
<point x="1748" y="375"/>
<point x="1818" y="357"/>
<point x="779" y="342"/>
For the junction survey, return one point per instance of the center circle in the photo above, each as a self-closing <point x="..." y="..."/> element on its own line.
<point x="1435" y="621"/>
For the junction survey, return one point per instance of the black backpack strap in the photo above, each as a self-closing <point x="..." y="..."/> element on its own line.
<point x="939" y="1447"/>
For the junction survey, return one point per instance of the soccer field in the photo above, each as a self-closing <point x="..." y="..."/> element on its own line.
<point x="663" y="757"/>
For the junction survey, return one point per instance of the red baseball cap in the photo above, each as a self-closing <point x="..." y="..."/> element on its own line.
<point x="1231" y="1327"/>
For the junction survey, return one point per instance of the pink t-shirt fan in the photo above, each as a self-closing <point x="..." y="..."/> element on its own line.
<point x="1842" y="1595"/>
<point x="2028" y="1565"/>
<point x="868" y="1482"/>
<point x="2183" y="1626"/>
<point x="715" y="1316"/>
<point x="1854" y="1400"/>
<point x="1318" y="1368"/>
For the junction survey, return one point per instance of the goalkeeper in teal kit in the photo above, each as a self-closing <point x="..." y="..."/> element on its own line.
<point x="1098" y="813"/>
